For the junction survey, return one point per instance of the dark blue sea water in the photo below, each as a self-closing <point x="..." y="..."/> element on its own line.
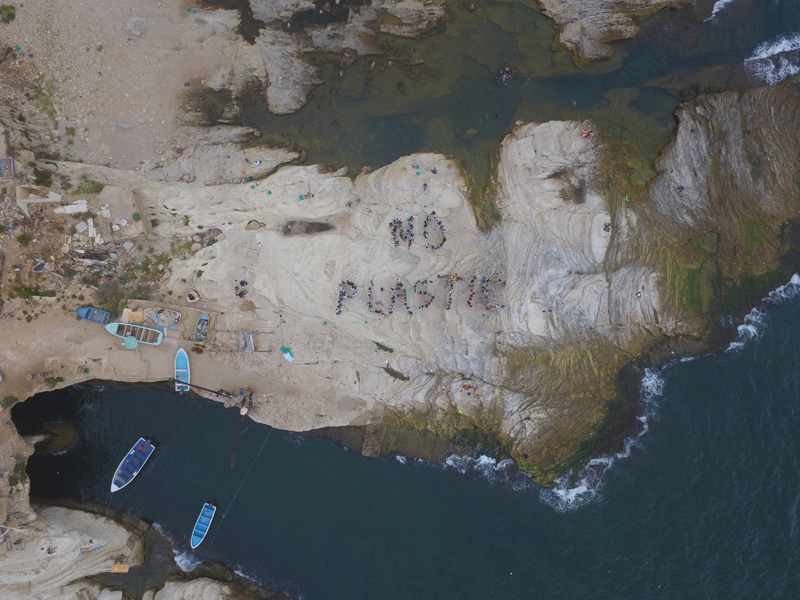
<point x="705" y="504"/>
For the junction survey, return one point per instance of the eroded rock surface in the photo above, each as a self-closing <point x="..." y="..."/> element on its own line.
<point x="587" y="26"/>
<point x="278" y="60"/>
<point x="504" y="332"/>
<point x="733" y="171"/>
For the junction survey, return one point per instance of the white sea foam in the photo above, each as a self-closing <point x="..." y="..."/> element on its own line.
<point x="755" y="321"/>
<point x="401" y="459"/>
<point x="718" y="6"/>
<point x="772" y="62"/>
<point x="571" y="492"/>
<point x="488" y="468"/>
<point x="186" y="561"/>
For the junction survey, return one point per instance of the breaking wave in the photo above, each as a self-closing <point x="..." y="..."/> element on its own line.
<point x="575" y="490"/>
<point x="568" y="495"/>
<point x="772" y="62"/>
<point x="490" y="469"/>
<point x="186" y="561"/>
<point x="718" y="6"/>
<point x="754" y="321"/>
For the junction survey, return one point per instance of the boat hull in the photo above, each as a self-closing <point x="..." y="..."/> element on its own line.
<point x="93" y="314"/>
<point x="182" y="374"/>
<point x="203" y="524"/>
<point x="201" y="331"/>
<point x="144" y="335"/>
<point x="132" y="464"/>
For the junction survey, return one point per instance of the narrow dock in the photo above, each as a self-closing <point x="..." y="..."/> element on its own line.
<point x="373" y="440"/>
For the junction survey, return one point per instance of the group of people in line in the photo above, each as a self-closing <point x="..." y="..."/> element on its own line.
<point x="343" y="294"/>
<point x="441" y="228"/>
<point x="400" y="291"/>
<point x="426" y="293"/>
<point x="405" y="232"/>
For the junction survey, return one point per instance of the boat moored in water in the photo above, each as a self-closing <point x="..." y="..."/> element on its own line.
<point x="203" y="524"/>
<point x="131" y="464"/>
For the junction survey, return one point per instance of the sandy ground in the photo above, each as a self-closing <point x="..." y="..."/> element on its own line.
<point x="113" y="73"/>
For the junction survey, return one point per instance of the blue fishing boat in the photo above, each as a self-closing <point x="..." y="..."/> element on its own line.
<point x="94" y="314"/>
<point x="131" y="464"/>
<point x="181" y="371"/>
<point x="143" y="335"/>
<point x="203" y="523"/>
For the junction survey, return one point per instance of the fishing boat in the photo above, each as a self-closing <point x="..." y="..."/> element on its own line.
<point x="203" y="523"/>
<point x="94" y="314"/>
<point x="131" y="464"/>
<point x="143" y="335"/>
<point x="181" y="371"/>
<point x="201" y="331"/>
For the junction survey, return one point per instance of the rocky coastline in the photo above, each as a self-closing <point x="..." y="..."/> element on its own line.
<point x="402" y="314"/>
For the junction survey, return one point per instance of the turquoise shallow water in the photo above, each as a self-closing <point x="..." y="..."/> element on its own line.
<point x="706" y="505"/>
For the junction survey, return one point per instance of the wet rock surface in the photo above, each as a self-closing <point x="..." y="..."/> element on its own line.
<point x="587" y="26"/>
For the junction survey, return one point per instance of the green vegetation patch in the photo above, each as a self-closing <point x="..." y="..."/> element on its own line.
<point x="88" y="186"/>
<point x="750" y="235"/>
<point x="7" y="13"/>
<point x="701" y="287"/>
<point x="23" y="239"/>
<point x="384" y="348"/>
<point x="8" y="401"/>
<point x="29" y="291"/>
<point x="42" y="177"/>
<point x="53" y="381"/>
<point x="749" y="290"/>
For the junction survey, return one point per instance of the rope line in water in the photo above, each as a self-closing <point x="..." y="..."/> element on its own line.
<point x="239" y="489"/>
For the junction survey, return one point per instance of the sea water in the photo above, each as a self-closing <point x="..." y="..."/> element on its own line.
<point x="704" y="504"/>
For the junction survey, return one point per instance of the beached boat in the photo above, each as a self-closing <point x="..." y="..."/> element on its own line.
<point x="201" y="331"/>
<point x="144" y="335"/>
<point x="181" y="371"/>
<point x="203" y="523"/>
<point x="93" y="314"/>
<point x="131" y="464"/>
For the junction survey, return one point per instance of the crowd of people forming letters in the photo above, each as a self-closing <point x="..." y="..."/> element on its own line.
<point x="404" y="233"/>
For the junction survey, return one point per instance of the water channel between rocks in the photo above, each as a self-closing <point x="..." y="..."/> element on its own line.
<point x="371" y="114"/>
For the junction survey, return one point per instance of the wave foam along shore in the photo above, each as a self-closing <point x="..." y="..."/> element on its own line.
<point x="719" y="5"/>
<point x="772" y="62"/>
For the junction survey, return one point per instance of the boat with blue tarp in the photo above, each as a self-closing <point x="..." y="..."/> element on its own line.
<point x="94" y="314"/>
<point x="132" y="464"/>
<point x="181" y="371"/>
<point x="203" y="524"/>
